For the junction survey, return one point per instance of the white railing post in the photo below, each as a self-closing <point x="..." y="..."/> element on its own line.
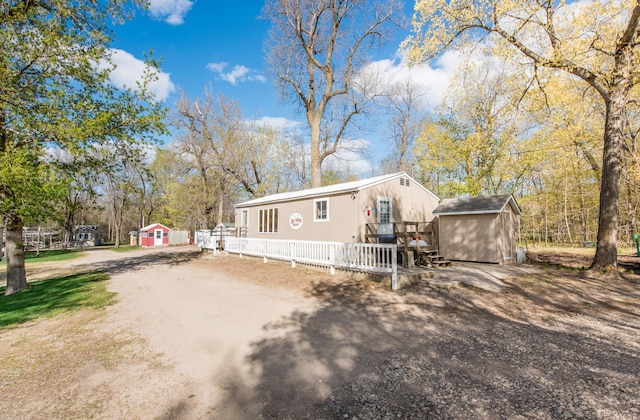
<point x="376" y="258"/>
<point x="394" y="267"/>
<point x="332" y="259"/>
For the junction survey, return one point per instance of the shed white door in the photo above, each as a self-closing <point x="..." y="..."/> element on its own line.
<point x="157" y="239"/>
<point x="385" y="223"/>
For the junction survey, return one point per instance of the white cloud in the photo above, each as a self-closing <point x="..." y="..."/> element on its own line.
<point x="237" y="74"/>
<point x="217" y="67"/>
<point x="170" y="11"/>
<point x="349" y="159"/>
<point x="434" y="80"/>
<point x="278" y="122"/>
<point x="129" y="70"/>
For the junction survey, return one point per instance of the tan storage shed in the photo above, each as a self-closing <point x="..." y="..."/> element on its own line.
<point x="478" y="229"/>
<point x="337" y="212"/>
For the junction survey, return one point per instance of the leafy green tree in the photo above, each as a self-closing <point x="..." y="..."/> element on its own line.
<point x="595" y="42"/>
<point x="55" y="95"/>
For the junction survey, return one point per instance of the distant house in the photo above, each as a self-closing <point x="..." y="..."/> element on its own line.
<point x="88" y="235"/>
<point x="341" y="212"/>
<point x="480" y="229"/>
<point x="154" y="235"/>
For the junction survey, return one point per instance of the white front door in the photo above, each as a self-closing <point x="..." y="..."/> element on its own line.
<point x="384" y="214"/>
<point x="157" y="237"/>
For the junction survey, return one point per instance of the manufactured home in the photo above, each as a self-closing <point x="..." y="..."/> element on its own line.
<point x="478" y="229"/>
<point x="348" y="212"/>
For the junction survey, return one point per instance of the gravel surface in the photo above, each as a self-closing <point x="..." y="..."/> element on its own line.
<point x="277" y="342"/>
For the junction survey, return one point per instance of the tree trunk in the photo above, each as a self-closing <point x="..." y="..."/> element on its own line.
<point x="116" y="242"/>
<point x="566" y="217"/>
<point x="316" y="161"/>
<point x="606" y="249"/>
<point x="16" y="274"/>
<point x="623" y="73"/>
<point x="221" y="194"/>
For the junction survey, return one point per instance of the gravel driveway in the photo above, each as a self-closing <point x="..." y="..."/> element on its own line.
<point x="228" y="338"/>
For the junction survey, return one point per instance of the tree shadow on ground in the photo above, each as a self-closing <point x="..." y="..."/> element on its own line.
<point x="141" y="262"/>
<point x="572" y="260"/>
<point x="175" y="257"/>
<point x="438" y="353"/>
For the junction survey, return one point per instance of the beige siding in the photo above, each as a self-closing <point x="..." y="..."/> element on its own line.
<point x="478" y="237"/>
<point x="507" y="237"/>
<point x="472" y="237"/>
<point x="411" y="202"/>
<point x="339" y="226"/>
<point x="346" y="213"/>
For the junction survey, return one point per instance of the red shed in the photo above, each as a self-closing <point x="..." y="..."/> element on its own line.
<point x="154" y="235"/>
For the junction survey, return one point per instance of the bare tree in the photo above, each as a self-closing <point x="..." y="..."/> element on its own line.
<point x="198" y="147"/>
<point x="407" y="118"/>
<point x="230" y="153"/>
<point x="315" y="49"/>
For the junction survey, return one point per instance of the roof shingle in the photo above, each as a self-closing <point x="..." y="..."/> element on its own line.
<point x="478" y="204"/>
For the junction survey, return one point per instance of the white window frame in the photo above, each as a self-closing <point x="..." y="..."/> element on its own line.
<point x="244" y="222"/>
<point x="268" y="220"/>
<point x="389" y="210"/>
<point x="315" y="210"/>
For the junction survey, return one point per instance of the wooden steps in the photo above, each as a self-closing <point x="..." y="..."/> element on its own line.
<point x="431" y="259"/>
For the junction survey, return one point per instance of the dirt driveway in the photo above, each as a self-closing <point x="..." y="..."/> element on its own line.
<point x="230" y="338"/>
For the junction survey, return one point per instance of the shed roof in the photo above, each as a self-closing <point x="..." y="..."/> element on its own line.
<point x="345" y="187"/>
<point x="146" y="228"/>
<point x="477" y="205"/>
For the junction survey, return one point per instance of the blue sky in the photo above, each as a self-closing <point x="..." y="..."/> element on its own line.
<point x="220" y="44"/>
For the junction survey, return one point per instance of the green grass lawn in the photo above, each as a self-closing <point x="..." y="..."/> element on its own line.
<point x="53" y="296"/>
<point x="49" y="256"/>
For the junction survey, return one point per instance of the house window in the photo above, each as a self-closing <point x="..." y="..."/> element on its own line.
<point x="158" y="234"/>
<point x="244" y="224"/>
<point x="321" y="210"/>
<point x="405" y="182"/>
<point x="384" y="210"/>
<point x="268" y="221"/>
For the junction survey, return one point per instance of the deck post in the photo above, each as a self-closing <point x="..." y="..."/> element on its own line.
<point x="394" y="267"/>
<point x="332" y="260"/>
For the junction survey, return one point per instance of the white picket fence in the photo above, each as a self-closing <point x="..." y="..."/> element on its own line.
<point x="213" y="238"/>
<point x="370" y="258"/>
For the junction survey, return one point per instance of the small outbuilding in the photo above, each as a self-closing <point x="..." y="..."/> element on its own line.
<point x="154" y="235"/>
<point x="478" y="229"/>
<point x="87" y="235"/>
<point x="349" y="212"/>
